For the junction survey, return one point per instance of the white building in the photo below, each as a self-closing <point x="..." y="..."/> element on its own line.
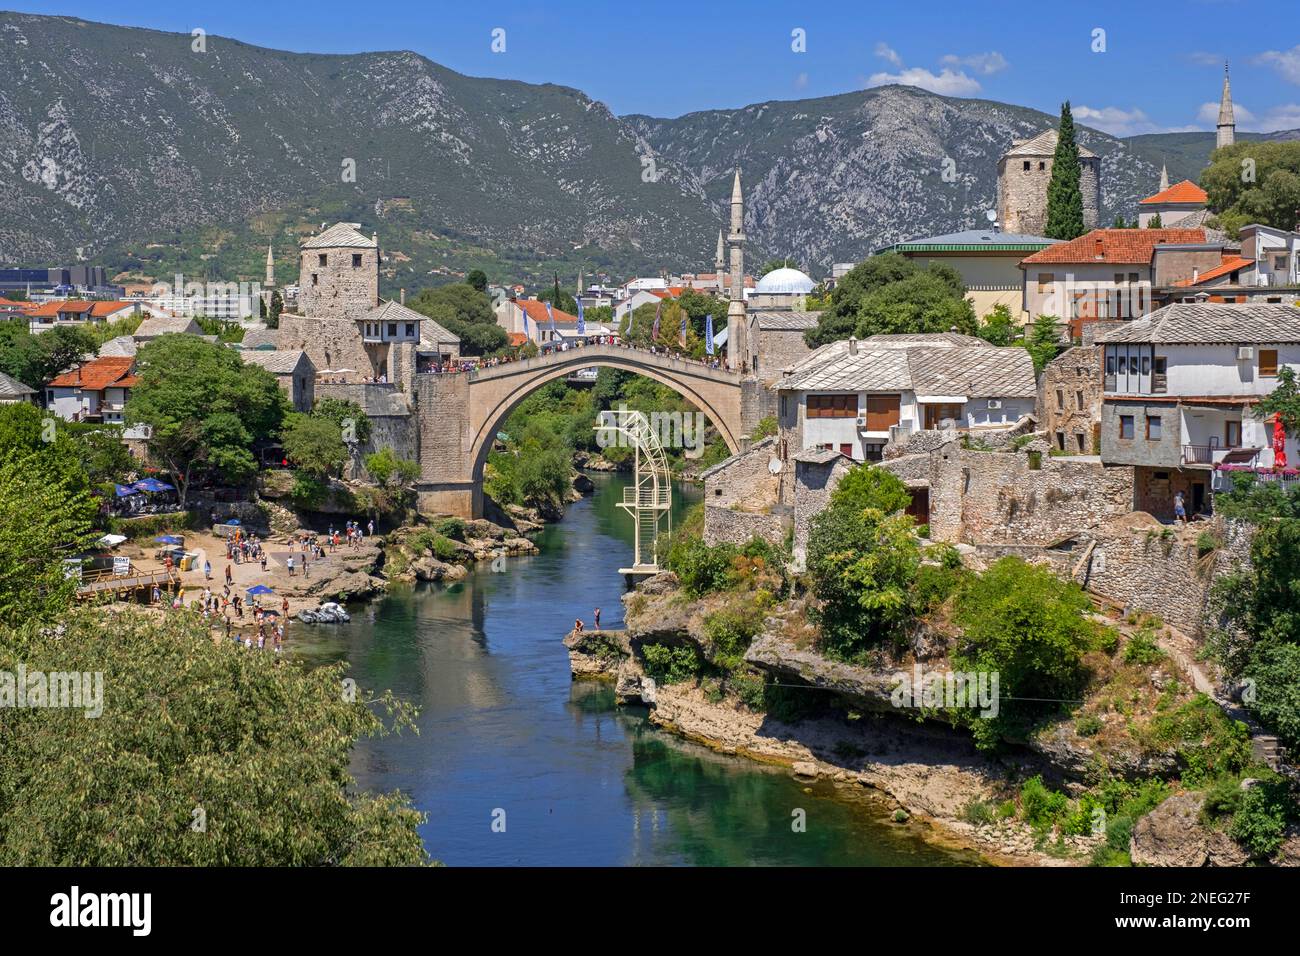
<point x="783" y="288"/>
<point x="1276" y="254"/>
<point x="855" y="396"/>
<point x="1179" y="390"/>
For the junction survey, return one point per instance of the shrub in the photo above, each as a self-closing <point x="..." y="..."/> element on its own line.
<point x="866" y="486"/>
<point x="1275" y="669"/>
<point x="1141" y="648"/>
<point x="730" y="631"/>
<point x="452" y="528"/>
<point x="671" y="664"/>
<point x="1089" y="725"/>
<point x="1208" y="743"/>
<point x="1261" y="818"/>
<point x="700" y="568"/>
<point x="1041" y="807"/>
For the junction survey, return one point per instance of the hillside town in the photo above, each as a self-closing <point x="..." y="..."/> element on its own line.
<point x="1035" y="446"/>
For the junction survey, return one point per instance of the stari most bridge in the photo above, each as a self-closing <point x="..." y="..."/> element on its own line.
<point x="460" y="413"/>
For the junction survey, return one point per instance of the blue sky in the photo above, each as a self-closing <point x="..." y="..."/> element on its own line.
<point x="1161" y="68"/>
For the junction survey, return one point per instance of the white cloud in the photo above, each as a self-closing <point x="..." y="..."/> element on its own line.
<point x="1286" y="62"/>
<point x="1203" y="58"/>
<point x="1117" y="121"/>
<point x="946" y="82"/>
<point x="1282" y="116"/>
<point x="985" y="64"/>
<point x="888" y="54"/>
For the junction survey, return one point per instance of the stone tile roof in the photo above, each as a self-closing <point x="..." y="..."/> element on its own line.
<point x="277" y="362"/>
<point x="1044" y="144"/>
<point x="767" y="442"/>
<point x="340" y="235"/>
<point x="1212" y="323"/>
<point x="777" y="320"/>
<point x="942" y="364"/>
<point x="1113" y="245"/>
<point x="152" y="328"/>
<point x="261" y="338"/>
<point x="118" y="347"/>
<point x="12" y="388"/>
<point x="818" y="456"/>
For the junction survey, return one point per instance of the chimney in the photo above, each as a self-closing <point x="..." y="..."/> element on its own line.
<point x="401" y="296"/>
<point x="1099" y="247"/>
<point x="853" y="345"/>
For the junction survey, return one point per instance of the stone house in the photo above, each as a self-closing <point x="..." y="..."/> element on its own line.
<point x="1069" y="401"/>
<point x="855" y="397"/>
<point x="13" y="391"/>
<point x="96" y="391"/>
<point x="1179" y="387"/>
<point x="293" y="371"/>
<point x="777" y="338"/>
<point x="742" y="497"/>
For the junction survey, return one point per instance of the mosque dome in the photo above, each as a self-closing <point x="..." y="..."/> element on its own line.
<point x="787" y="281"/>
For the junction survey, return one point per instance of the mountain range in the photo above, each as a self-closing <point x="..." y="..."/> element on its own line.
<point x="131" y="148"/>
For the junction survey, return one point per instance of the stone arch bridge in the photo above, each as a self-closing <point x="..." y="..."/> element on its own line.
<point x="460" y="413"/>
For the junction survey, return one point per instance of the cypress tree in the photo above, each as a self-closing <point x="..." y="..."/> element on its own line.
<point x="1064" y="195"/>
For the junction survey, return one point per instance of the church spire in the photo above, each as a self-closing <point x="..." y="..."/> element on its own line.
<point x="737" y="324"/>
<point x="270" y="267"/>
<point x="1227" y="125"/>
<point x="1164" y="177"/>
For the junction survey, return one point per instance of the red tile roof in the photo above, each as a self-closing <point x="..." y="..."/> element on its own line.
<point x="96" y="309"/>
<point x="537" y="312"/>
<point x="1184" y="192"/>
<point x="98" y="374"/>
<point x="517" y="338"/>
<point x="1113" y="245"/>
<point x="1231" y="263"/>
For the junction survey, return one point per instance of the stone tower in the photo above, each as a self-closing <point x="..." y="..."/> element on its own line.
<point x="737" y="337"/>
<point x="1227" y="125"/>
<point x="1164" y="178"/>
<point x="1023" y="174"/>
<point x="339" y="277"/>
<point x="270" y="268"/>
<point x="720" y="262"/>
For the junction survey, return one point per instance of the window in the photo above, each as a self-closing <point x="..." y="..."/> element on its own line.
<point x="883" y="412"/>
<point x="783" y="406"/>
<point x="846" y="449"/>
<point x="1268" y="361"/>
<point x="410" y="330"/>
<point x="1158" y="368"/>
<point x="1045" y="279"/>
<point x="321" y="260"/>
<point x="1123" y="364"/>
<point x="1060" y="399"/>
<point x="1153" y="428"/>
<point x="313" y="279"/>
<point x="1146" y="365"/>
<point x="1060" y="440"/>
<point x="833" y="406"/>
<point x="392" y="330"/>
<point x="1042" y="165"/>
<point x="1026" y="165"/>
<point x="1078" y="397"/>
<point x="1110" y="363"/>
<point x="1232" y="434"/>
<point x="1132" y="277"/>
<point x="1126" y="426"/>
<point x="1119" y="278"/>
<point x="1078" y="440"/>
<point x="356" y="260"/>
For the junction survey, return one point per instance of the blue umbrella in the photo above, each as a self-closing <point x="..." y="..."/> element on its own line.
<point x="233" y="521"/>
<point x="169" y="539"/>
<point x="260" y="589"/>
<point x="153" y="484"/>
<point x="123" y="491"/>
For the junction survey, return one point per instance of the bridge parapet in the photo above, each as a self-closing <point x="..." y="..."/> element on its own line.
<point x="586" y="355"/>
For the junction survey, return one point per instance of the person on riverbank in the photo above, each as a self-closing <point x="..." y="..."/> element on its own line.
<point x="207" y="570"/>
<point x="289" y="562"/>
<point x="577" y="625"/>
<point x="597" y="616"/>
<point x="229" y="576"/>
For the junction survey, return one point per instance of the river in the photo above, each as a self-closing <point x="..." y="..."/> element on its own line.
<point x="506" y="735"/>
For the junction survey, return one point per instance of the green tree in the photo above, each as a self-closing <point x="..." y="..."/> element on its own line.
<point x="1064" y="194"/>
<point x="387" y="469"/>
<point x="464" y="312"/>
<point x="45" y="516"/>
<point x="1155" y="222"/>
<point x="314" y="445"/>
<point x="866" y="486"/>
<point x="477" y="279"/>
<point x="205" y="407"/>
<point x="1283" y="401"/>
<point x="559" y="298"/>
<point x="260" y="747"/>
<point x="350" y="418"/>
<point x="35" y="359"/>
<point x="277" y="306"/>
<point x="1042" y="341"/>
<point x="1254" y="182"/>
<point x="998" y="327"/>
<point x="862" y="564"/>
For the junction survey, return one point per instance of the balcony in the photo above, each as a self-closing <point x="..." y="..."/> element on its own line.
<point x="1210" y="455"/>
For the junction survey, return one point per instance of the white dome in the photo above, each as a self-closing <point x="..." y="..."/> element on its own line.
<point x="785" y="281"/>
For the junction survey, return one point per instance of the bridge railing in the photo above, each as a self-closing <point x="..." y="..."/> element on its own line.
<point x="579" y="354"/>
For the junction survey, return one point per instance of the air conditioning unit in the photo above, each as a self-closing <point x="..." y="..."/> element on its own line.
<point x="862" y="421"/>
<point x="1245" y="353"/>
<point x="995" y="403"/>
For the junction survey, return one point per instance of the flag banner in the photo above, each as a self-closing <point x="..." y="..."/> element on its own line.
<point x="654" y="332"/>
<point x="551" y="315"/>
<point x="582" y="320"/>
<point x="525" y="312"/>
<point x="682" y="335"/>
<point x="708" y="334"/>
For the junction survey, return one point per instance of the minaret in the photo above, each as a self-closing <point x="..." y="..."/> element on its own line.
<point x="1164" y="178"/>
<point x="737" y="337"/>
<point x="720" y="263"/>
<point x="1227" y="126"/>
<point x="270" y="268"/>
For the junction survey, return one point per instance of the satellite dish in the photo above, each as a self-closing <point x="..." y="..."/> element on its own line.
<point x="774" y="465"/>
<point x="991" y="215"/>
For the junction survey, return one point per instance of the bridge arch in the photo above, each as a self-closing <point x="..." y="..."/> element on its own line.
<point x="503" y="402"/>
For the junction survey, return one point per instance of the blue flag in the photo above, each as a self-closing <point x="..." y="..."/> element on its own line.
<point x="582" y="320"/>
<point x="525" y="312"/>
<point x="551" y="315"/>
<point x="708" y="334"/>
<point x="681" y="337"/>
